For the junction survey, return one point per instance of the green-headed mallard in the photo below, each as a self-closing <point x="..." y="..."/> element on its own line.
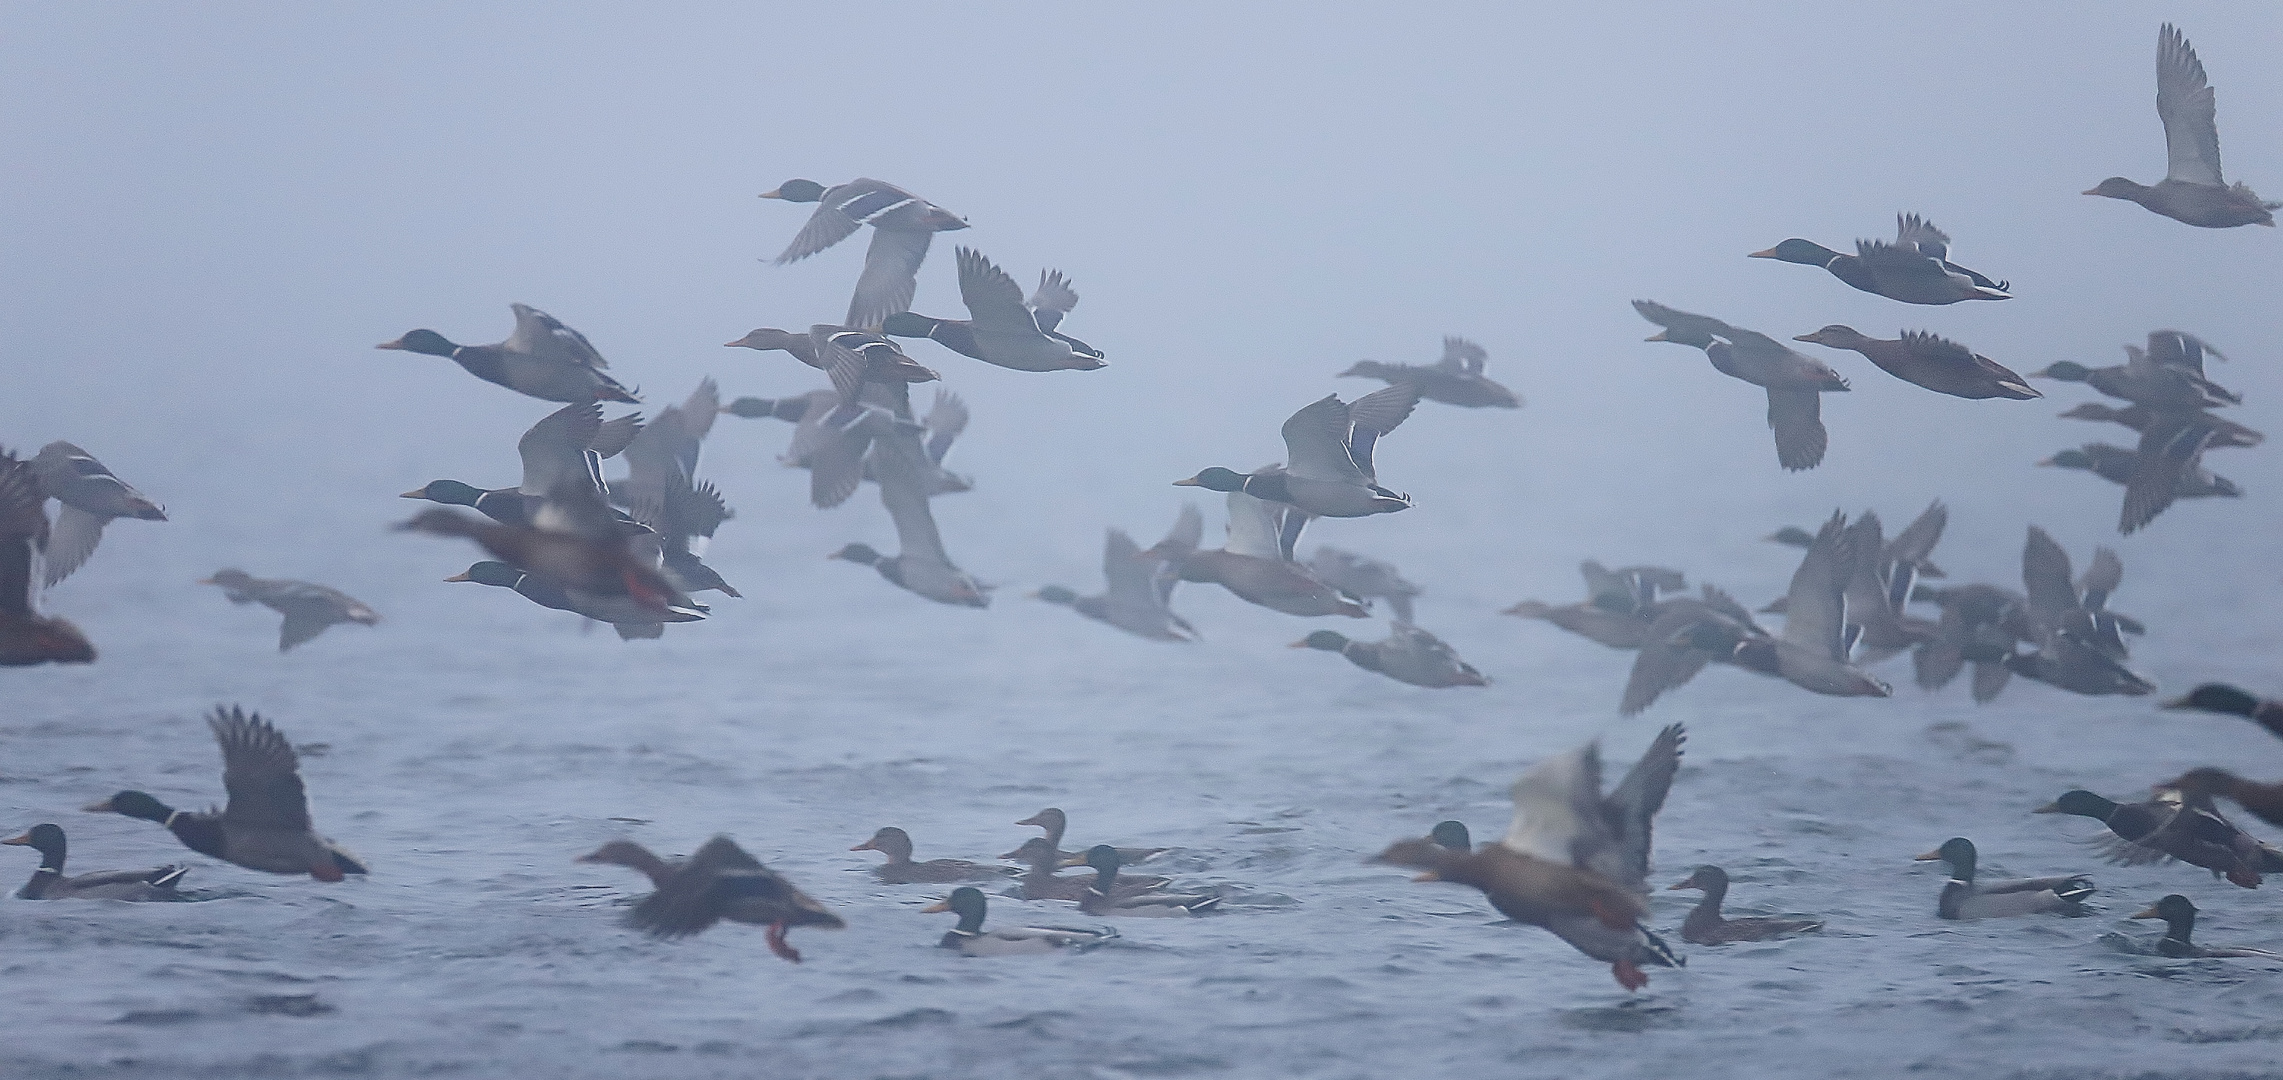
<point x="2233" y="701"/>
<point x="1915" y="269"/>
<point x="2079" y="645"/>
<point x="89" y="497"/>
<point x="1965" y="898"/>
<point x="2140" y="418"/>
<point x="2179" y="915"/>
<point x="971" y="939"/>
<point x="28" y="637"/>
<point x="2168" y="375"/>
<point x="1252" y="565"/>
<point x="1456" y="379"/>
<point x="308" y="607"/>
<point x="566" y="444"/>
<point x="48" y="882"/>
<point x="719" y="882"/>
<point x="1936" y="363"/>
<point x="2169" y="826"/>
<point x="1041" y="882"/>
<point x="543" y="359"/>
<point x="2192" y="191"/>
<point x="1705" y="924"/>
<point x="265" y="824"/>
<point x="1328" y="469"/>
<point x="1001" y="328"/>
<point x="1408" y="655"/>
<point x="582" y="550"/>
<point x="1794" y="382"/>
<point x="1106" y="897"/>
<point x="896" y="844"/>
<point x="902" y="226"/>
<point x="630" y="619"/>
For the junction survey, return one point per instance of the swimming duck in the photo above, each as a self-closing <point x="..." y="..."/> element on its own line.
<point x="1104" y="897"/>
<point x="628" y="618"/>
<point x="1915" y="269"/>
<point x="902" y="223"/>
<point x="720" y="882"/>
<point x="2225" y="433"/>
<point x="48" y="882"/>
<point x="2179" y="915"/>
<point x="2078" y="650"/>
<point x="1452" y="835"/>
<point x="1793" y="381"/>
<point x="1965" y="898"/>
<point x="1409" y="655"/>
<point x="2169" y="826"/>
<point x="308" y="607"/>
<point x="1574" y="861"/>
<point x="1001" y="329"/>
<point x="896" y="844"/>
<point x="1328" y="451"/>
<point x="543" y="359"/>
<point x="1363" y="577"/>
<point x="1140" y="585"/>
<point x="578" y="546"/>
<point x="970" y="939"/>
<point x="2233" y="701"/>
<point x="1456" y="379"/>
<point x="921" y="564"/>
<point x="1251" y="564"/>
<point x="1706" y="926"/>
<point x="2201" y="786"/>
<point x="1936" y="363"/>
<point x="2192" y="191"/>
<point x="1041" y="882"/>
<point x="26" y="636"/>
<point x="89" y="497"/>
<point x="1056" y="823"/>
<point x="265" y="824"/>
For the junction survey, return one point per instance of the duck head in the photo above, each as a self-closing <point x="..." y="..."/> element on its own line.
<point x="1836" y="336"/>
<point x="2117" y="187"/>
<point x="1796" y="250"/>
<point x="1056" y="594"/>
<point x="765" y="339"/>
<point x="490" y="572"/>
<point x="1452" y="835"/>
<point x="2178" y="913"/>
<point x="1215" y="479"/>
<point x="1327" y="640"/>
<point x="134" y="804"/>
<point x="2064" y="370"/>
<point x="45" y="839"/>
<point x="422" y="341"/>
<point x="1958" y="852"/>
<point x="857" y="553"/>
<point x="968" y="903"/>
<point x="1707" y="878"/>
<point x="891" y="841"/>
<point x="2080" y="802"/>
<point x="2218" y="698"/>
<point x="452" y="492"/>
<point x="796" y="191"/>
<point x="2069" y="459"/>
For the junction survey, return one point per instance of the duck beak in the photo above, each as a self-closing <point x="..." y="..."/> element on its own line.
<point x="2048" y="808"/>
<point x="1069" y="861"/>
<point x="415" y="493"/>
<point x="1429" y="876"/>
<point x="772" y="193"/>
<point x="1032" y="820"/>
<point x="19" y="841"/>
<point x="1191" y="482"/>
<point x="2175" y="703"/>
<point x="397" y="344"/>
<point x="1931" y="856"/>
<point x="865" y="846"/>
<point x="1679" y="885"/>
<point x="934" y="908"/>
<point x="2090" y="191"/>
<point x="1768" y="254"/>
<point x="461" y="576"/>
<point x="2047" y="461"/>
<point x="2149" y="914"/>
<point x="1658" y="336"/>
<point x="1297" y="645"/>
<point x="103" y="807"/>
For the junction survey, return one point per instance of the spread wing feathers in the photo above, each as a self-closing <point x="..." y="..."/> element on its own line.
<point x="1132" y="576"/>
<point x="259" y="771"/>
<point x="1915" y="233"/>
<point x="73" y="477"/>
<point x="1557" y="808"/>
<point x="1052" y="300"/>
<point x="2101" y="579"/>
<point x="1252" y="527"/>
<point x="1316" y="443"/>
<point x="1915" y="544"/>
<point x="613" y="437"/>
<point x="1635" y="803"/>
<point x="1718" y="600"/>
<point x="1940" y="350"/>
<point x="845" y="367"/>
<point x="1815" y="610"/>
<point x="1891" y="263"/>
<point x="826" y="226"/>
<point x="696" y="509"/>
<point x="1382" y="411"/>
<point x="836" y="455"/>
<point x="2169" y="453"/>
<point x="23" y="533"/>
<point x="72" y="540"/>
<point x="300" y="625"/>
<point x="540" y="334"/>
<point x="2179" y="349"/>
<point x="2185" y="103"/>
<point x="1796" y="416"/>
<point x="890" y="277"/>
<point x="2053" y="601"/>
<point x="1682" y="324"/>
<point x="945" y="421"/>
<point x="1186" y="535"/>
<point x="699" y="411"/>
<point x="994" y="301"/>
<point x="1462" y="356"/>
<point x="810" y="431"/>
<point x="1664" y="662"/>
<point x="552" y="449"/>
<point x="701" y="889"/>
<point x="900" y="465"/>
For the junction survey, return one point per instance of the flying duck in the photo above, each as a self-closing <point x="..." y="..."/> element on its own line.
<point x="2170" y="826"/>
<point x="1001" y="328"/>
<point x="1328" y="450"/>
<point x="902" y="223"/>
<point x="1251" y="563"/>
<point x="719" y="882"/>
<point x="28" y="637"/>
<point x="1915" y="269"/>
<point x="308" y="607"/>
<point x="543" y="359"/>
<point x="2233" y="701"/>
<point x="1363" y="577"/>
<point x="1140" y="585"/>
<point x="1456" y="379"/>
<point x="1409" y="655"/>
<point x="89" y="497"/>
<point x="2192" y="191"/>
<point x="1793" y="382"/>
<point x="1936" y="363"/>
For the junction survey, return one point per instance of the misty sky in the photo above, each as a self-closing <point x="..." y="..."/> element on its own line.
<point x="212" y="213"/>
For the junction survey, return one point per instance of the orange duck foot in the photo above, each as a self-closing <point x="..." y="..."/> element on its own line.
<point x="778" y="944"/>
<point x="1629" y="975"/>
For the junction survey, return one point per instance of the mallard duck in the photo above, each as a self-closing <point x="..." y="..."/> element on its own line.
<point x="1106" y="897"/>
<point x="2233" y="701"/>
<point x="265" y="824"/>
<point x="1794" y="382"/>
<point x="1001" y="329"/>
<point x="1936" y="363"/>
<point x="1367" y="578"/>
<point x="1965" y="898"/>
<point x="1328" y="451"/>
<point x="26" y="636"/>
<point x="1705" y="924"/>
<point x="902" y="226"/>
<point x="1574" y="861"/>
<point x="896" y="844"/>
<point x="89" y="497"/>
<point x="2078" y="650"/>
<point x="1456" y="379"/>
<point x="2192" y="191"/>
<point x="1619" y="607"/>
<point x="1877" y="595"/>
<point x="1979" y="623"/>
<point x="1251" y="564"/>
<point x="921" y="564"/>
<point x="577" y="546"/>
<point x="1056" y="823"/>
<point x="2119" y="465"/>
<point x="1452" y="835"/>
<point x="971" y="939"/>
<point x="2200" y="786"/>
<point x="308" y="607"/>
<point x="1912" y="546"/>
<point x="2179" y="915"/>
<point x="1408" y="655"/>
<point x="852" y="358"/>
<point x="628" y="618"/>
<point x="1041" y="882"/>
<point x="1053" y="299"/>
<point x="1682" y="635"/>
<point x="661" y="489"/>
<point x="2225" y="432"/>
<point x="543" y="359"/>
<point x="1915" y="269"/>
<point x="2170" y="826"/>
<point x="48" y="882"/>
<point x="720" y="882"/>
<point x="2144" y="379"/>
<point x="1140" y="585"/>
<point x="567" y="444"/>
<point x="944" y="423"/>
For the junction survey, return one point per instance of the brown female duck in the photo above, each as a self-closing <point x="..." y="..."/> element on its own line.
<point x="896" y="844"/>
<point x="1705" y="924"/>
<point x="1055" y="822"/>
<point x="720" y="882"/>
<point x="2192" y="191"/>
<point x="1936" y="363"/>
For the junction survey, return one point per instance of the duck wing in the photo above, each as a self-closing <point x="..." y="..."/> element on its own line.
<point x="71" y="541"/>
<point x="1682" y="325"/>
<point x="1316" y="443"/>
<point x="1132" y="576"/>
<point x="2170" y="451"/>
<point x="1796" y="416"/>
<point x="901" y="466"/>
<point x="23" y="533"/>
<point x="994" y="301"/>
<point x="2053" y="601"/>
<point x="1906" y="267"/>
<point x="890" y="277"/>
<point x="1634" y="804"/>
<point x="945" y="421"/>
<point x="1252" y="528"/>
<point x="2185" y="103"/>
<point x="1462" y="356"/>
<point x="542" y="335"/>
<point x="831" y="222"/>
<point x="2182" y="350"/>
<point x="260" y="772"/>
<point x="1815" y="608"/>
<point x="1052" y="300"/>
<point x="1558" y="813"/>
<point x="554" y="448"/>
<point x="1668" y="658"/>
<point x="1371" y="416"/>
<point x="1916" y="234"/>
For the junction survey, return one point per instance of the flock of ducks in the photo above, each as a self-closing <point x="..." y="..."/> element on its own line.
<point x="1575" y="859"/>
